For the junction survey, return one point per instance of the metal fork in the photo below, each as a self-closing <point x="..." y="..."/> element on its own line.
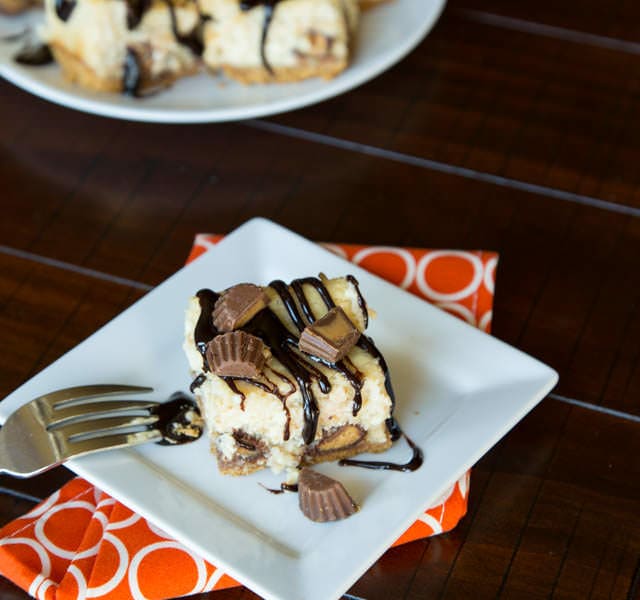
<point x="72" y="422"/>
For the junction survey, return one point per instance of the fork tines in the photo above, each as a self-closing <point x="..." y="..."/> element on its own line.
<point x="82" y="413"/>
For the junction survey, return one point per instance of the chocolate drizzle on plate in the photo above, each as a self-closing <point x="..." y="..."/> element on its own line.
<point x="417" y="457"/>
<point x="284" y="487"/>
<point x="179" y="420"/>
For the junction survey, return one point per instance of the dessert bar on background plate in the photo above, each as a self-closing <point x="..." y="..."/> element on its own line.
<point x="458" y="392"/>
<point x="387" y="33"/>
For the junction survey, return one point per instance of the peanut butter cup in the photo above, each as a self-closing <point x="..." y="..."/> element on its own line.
<point x="236" y="354"/>
<point x="322" y="498"/>
<point x="238" y="305"/>
<point x="330" y="337"/>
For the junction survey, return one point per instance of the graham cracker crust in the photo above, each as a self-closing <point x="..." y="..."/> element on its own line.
<point x="251" y="75"/>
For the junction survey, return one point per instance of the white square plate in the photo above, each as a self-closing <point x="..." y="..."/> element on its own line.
<point x="458" y="392"/>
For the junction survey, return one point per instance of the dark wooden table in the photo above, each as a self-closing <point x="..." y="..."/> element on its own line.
<point x="513" y="127"/>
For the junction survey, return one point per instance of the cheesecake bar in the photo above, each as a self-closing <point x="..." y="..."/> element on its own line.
<point x="118" y="46"/>
<point x="256" y="41"/>
<point x="285" y="376"/>
<point x="135" y="46"/>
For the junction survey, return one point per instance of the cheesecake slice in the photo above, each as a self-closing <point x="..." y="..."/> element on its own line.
<point x="254" y="41"/>
<point x="285" y="376"/>
<point x="130" y="46"/>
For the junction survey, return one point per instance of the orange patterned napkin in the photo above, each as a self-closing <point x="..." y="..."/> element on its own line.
<point x="81" y="543"/>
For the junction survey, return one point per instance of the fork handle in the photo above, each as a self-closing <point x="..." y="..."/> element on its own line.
<point x="26" y="455"/>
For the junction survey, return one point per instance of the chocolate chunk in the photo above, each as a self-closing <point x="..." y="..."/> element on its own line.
<point x="64" y="8"/>
<point x="236" y="354"/>
<point x="322" y="498"/>
<point x="238" y="305"/>
<point x="330" y="337"/>
<point x="250" y="455"/>
<point x="249" y="446"/>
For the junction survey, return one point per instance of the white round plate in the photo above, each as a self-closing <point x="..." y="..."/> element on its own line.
<point x="387" y="33"/>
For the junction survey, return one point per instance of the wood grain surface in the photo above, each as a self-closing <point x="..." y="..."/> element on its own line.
<point x="513" y="128"/>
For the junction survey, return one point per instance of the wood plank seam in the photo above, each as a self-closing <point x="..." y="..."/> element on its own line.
<point x="474" y="507"/>
<point x="544" y="478"/>
<point x="17" y="494"/>
<point x="634" y="588"/>
<point x="596" y="408"/>
<point x="79" y="181"/>
<point x="550" y="31"/>
<point x="567" y="547"/>
<point x="441" y="167"/>
<point x="166" y="238"/>
<point x="67" y="266"/>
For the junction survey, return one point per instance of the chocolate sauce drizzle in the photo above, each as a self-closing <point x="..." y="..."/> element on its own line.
<point x="136" y="9"/>
<point x="34" y="56"/>
<point x="231" y="384"/>
<point x="284" y="346"/>
<point x="365" y="343"/>
<point x="268" y="328"/>
<point x="284" y="487"/>
<point x="64" y="8"/>
<point x="192" y="40"/>
<point x="361" y="301"/>
<point x="205" y="330"/>
<point x="292" y="309"/>
<point x="417" y="457"/>
<point x="269" y="387"/>
<point x="175" y="416"/>
<point x="197" y="382"/>
<point x="132" y="74"/>
<point x="269" y="8"/>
